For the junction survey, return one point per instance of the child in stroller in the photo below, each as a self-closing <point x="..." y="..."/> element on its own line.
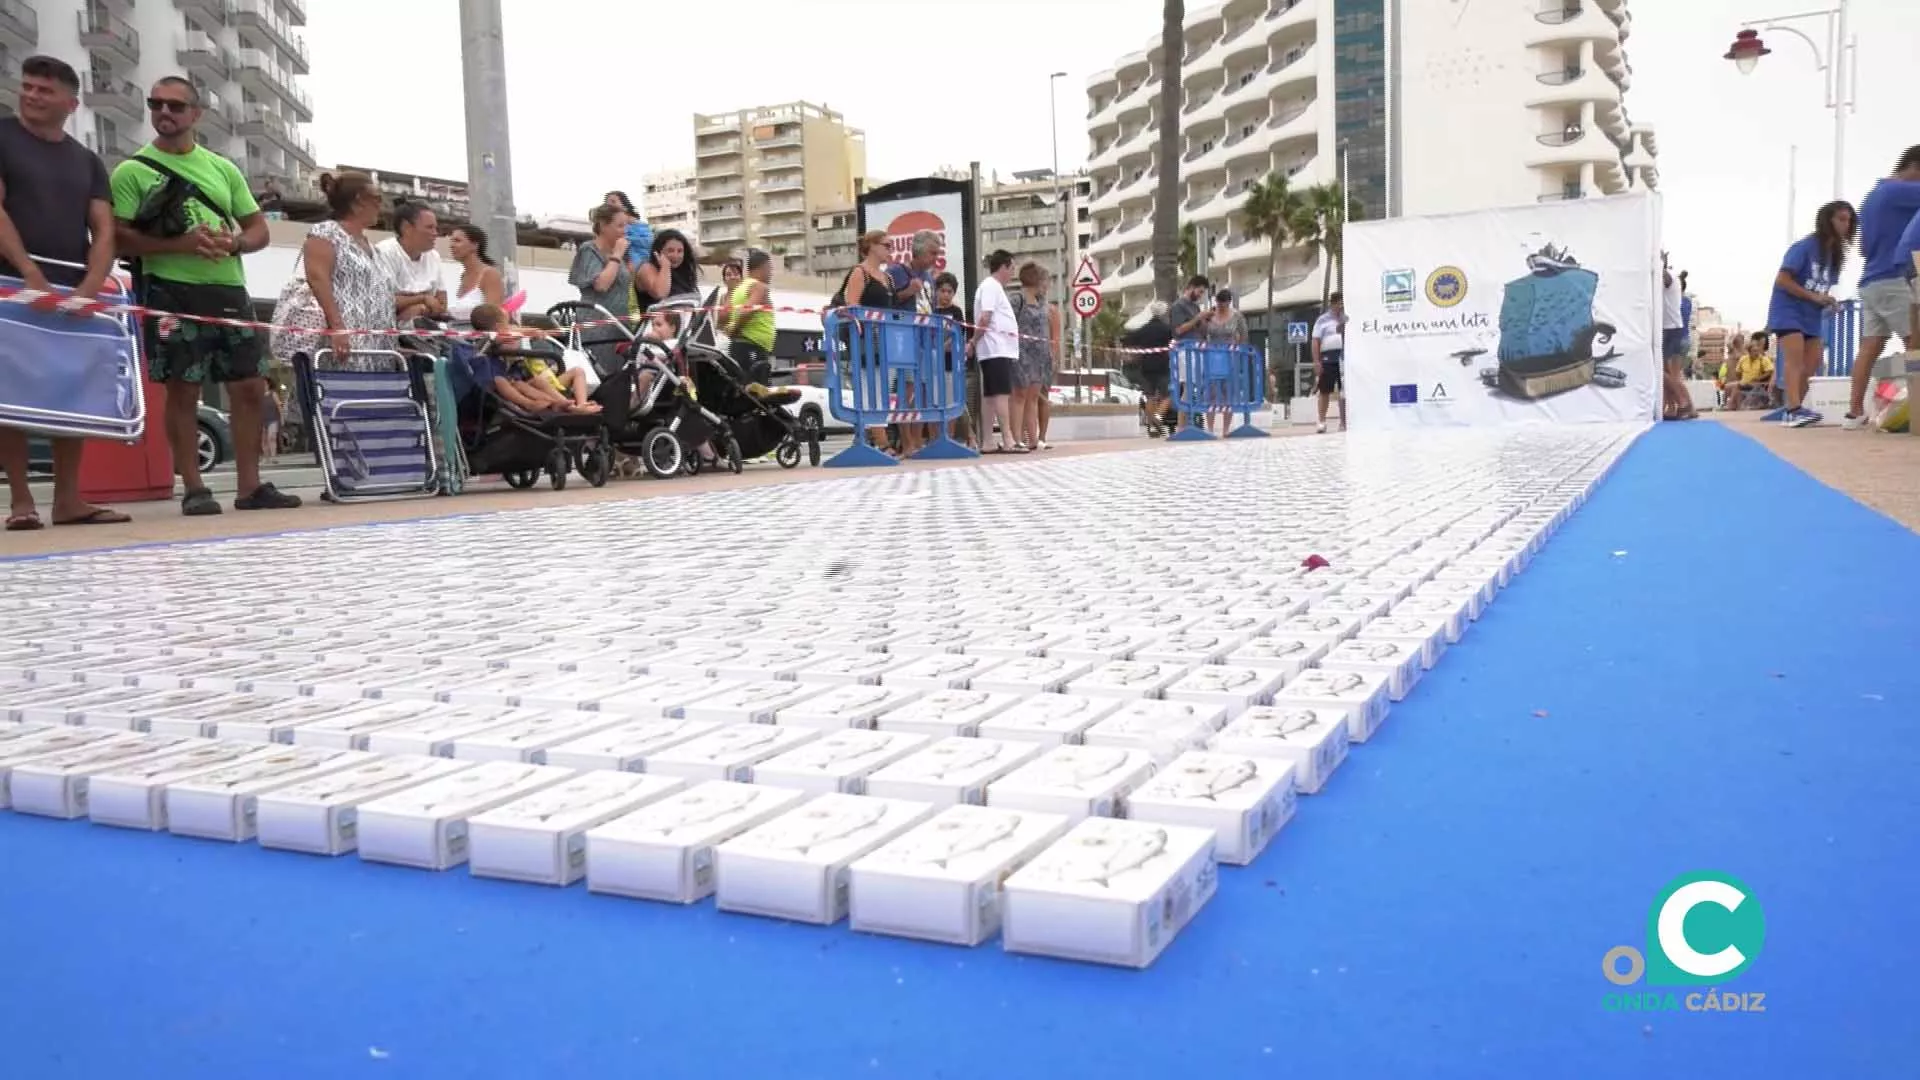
<point x="529" y="382"/>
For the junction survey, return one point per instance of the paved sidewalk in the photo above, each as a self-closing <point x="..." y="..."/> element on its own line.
<point x="160" y="522"/>
<point x="1880" y="470"/>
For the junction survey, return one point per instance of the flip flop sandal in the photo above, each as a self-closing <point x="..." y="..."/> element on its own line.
<point x="98" y="516"/>
<point x="28" y="522"/>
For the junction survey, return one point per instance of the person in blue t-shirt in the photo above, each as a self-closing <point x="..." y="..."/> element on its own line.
<point x="1802" y="293"/>
<point x="1885" y="295"/>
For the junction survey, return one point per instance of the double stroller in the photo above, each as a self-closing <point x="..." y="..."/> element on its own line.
<point x="667" y="402"/>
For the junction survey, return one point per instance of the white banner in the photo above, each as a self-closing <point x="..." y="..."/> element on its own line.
<point x="1532" y="313"/>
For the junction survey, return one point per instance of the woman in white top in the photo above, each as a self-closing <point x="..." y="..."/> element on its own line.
<point x="343" y="291"/>
<point x="480" y="280"/>
<point x="996" y="344"/>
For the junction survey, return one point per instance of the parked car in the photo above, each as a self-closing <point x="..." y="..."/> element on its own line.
<point x="215" y="444"/>
<point x="1093" y="386"/>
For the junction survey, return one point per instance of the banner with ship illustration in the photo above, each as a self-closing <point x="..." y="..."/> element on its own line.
<point x="1544" y="313"/>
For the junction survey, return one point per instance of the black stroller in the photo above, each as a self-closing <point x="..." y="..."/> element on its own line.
<point x="665" y="402"/>
<point x="501" y="438"/>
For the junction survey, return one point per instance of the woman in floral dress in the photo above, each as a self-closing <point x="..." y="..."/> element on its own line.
<point x="342" y="296"/>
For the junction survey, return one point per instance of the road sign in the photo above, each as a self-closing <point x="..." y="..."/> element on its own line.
<point x="1296" y="333"/>
<point x="1086" y="302"/>
<point x="1088" y="275"/>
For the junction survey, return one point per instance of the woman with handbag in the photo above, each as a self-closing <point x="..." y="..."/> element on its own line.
<point x="339" y="298"/>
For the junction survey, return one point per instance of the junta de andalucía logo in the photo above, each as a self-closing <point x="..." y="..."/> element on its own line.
<point x="1704" y="930"/>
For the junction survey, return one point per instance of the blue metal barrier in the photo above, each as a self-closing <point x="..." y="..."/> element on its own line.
<point x="894" y="367"/>
<point x="1839" y="341"/>
<point x="1206" y="378"/>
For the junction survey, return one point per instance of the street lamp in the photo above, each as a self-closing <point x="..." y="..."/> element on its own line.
<point x="1835" y="60"/>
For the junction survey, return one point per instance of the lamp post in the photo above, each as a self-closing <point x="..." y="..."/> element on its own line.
<point x="489" y="157"/>
<point x="1835" y="61"/>
<point x="1060" y="202"/>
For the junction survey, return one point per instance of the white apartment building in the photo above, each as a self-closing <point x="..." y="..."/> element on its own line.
<point x="667" y="200"/>
<point x="246" y="57"/>
<point x="1504" y="102"/>
<point x="1439" y="105"/>
<point x="1258" y="92"/>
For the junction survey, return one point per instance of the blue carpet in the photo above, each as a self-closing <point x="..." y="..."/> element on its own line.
<point x="1613" y="722"/>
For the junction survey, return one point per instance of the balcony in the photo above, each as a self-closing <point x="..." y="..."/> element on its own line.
<point x="204" y="58"/>
<point x="216" y="115"/>
<point x="19" y="30"/>
<point x="112" y="146"/>
<point x="1568" y="24"/>
<point x="1573" y="145"/>
<point x="785" y="180"/>
<point x="206" y="16"/>
<point x="260" y="27"/>
<point x="109" y="38"/>
<point x="1284" y="15"/>
<point x="259" y="73"/>
<point x="729" y="212"/>
<point x="783" y="226"/>
<point x="786" y="136"/>
<point x="1569" y="195"/>
<point x="122" y="8"/>
<point x="709" y="192"/>
<point x="1574" y="86"/>
<point x="706" y="147"/>
<point x="1241" y="45"/>
<point x="115" y="97"/>
<point x="262" y="123"/>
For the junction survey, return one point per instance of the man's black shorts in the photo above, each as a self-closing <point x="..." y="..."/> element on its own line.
<point x="1331" y="381"/>
<point x="185" y="350"/>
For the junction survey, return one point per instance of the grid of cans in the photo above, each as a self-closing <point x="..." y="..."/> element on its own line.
<point x="1040" y="700"/>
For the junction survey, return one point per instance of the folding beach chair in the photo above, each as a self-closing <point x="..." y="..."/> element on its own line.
<point x="62" y="375"/>
<point x="372" y="428"/>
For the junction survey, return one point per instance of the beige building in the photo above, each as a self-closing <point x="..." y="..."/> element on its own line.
<point x="761" y="174"/>
<point x="1019" y="215"/>
<point x="667" y="201"/>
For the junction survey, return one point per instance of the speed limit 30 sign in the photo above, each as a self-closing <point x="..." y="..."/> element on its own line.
<point x="1086" y="301"/>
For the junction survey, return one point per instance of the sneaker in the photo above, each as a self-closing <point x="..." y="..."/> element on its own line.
<point x="1777" y="416"/>
<point x="1818" y="417"/>
<point x="267" y="497"/>
<point x="200" y="503"/>
<point x="1320" y="429"/>
<point x="1799" y="418"/>
<point x="1853" y="423"/>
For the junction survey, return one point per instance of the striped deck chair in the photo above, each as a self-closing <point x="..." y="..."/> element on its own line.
<point x="372" y="428"/>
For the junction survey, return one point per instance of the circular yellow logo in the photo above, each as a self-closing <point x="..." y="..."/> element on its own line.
<point x="1446" y="286"/>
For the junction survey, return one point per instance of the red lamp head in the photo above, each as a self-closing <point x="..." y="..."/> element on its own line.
<point x="1747" y="50"/>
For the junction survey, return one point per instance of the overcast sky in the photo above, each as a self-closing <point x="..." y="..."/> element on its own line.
<point x="603" y="92"/>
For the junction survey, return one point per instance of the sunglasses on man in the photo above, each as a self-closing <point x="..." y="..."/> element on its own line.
<point x="177" y="108"/>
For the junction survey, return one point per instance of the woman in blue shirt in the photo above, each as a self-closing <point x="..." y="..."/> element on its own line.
<point x="1802" y="293"/>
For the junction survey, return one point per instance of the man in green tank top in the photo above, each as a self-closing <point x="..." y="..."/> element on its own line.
<point x="750" y="318"/>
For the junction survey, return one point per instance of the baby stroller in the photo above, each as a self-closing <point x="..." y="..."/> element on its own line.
<point x="520" y="446"/>
<point x="665" y="425"/>
<point x="756" y="413"/>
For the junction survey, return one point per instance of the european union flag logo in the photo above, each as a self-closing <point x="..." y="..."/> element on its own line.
<point x="1403" y="394"/>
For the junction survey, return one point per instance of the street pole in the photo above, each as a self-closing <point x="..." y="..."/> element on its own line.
<point x="1842" y="96"/>
<point x="1067" y="223"/>
<point x="1793" y="191"/>
<point x="483" y="63"/>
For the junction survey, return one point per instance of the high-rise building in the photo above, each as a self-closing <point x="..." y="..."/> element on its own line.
<point x="667" y="201"/>
<point x="1259" y="83"/>
<point x="1020" y="215"/>
<point x="245" y="57"/>
<point x="1500" y="104"/>
<point x="761" y="173"/>
<point x="1426" y="106"/>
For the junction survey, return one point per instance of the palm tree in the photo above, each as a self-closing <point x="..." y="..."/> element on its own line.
<point x="1166" y="199"/>
<point x="1272" y="212"/>
<point x="1330" y="218"/>
<point x="1189" y="251"/>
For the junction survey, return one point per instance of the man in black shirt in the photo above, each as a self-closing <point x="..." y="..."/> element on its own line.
<point x="56" y="228"/>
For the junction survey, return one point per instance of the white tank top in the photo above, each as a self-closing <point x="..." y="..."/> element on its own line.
<point x="460" y="308"/>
